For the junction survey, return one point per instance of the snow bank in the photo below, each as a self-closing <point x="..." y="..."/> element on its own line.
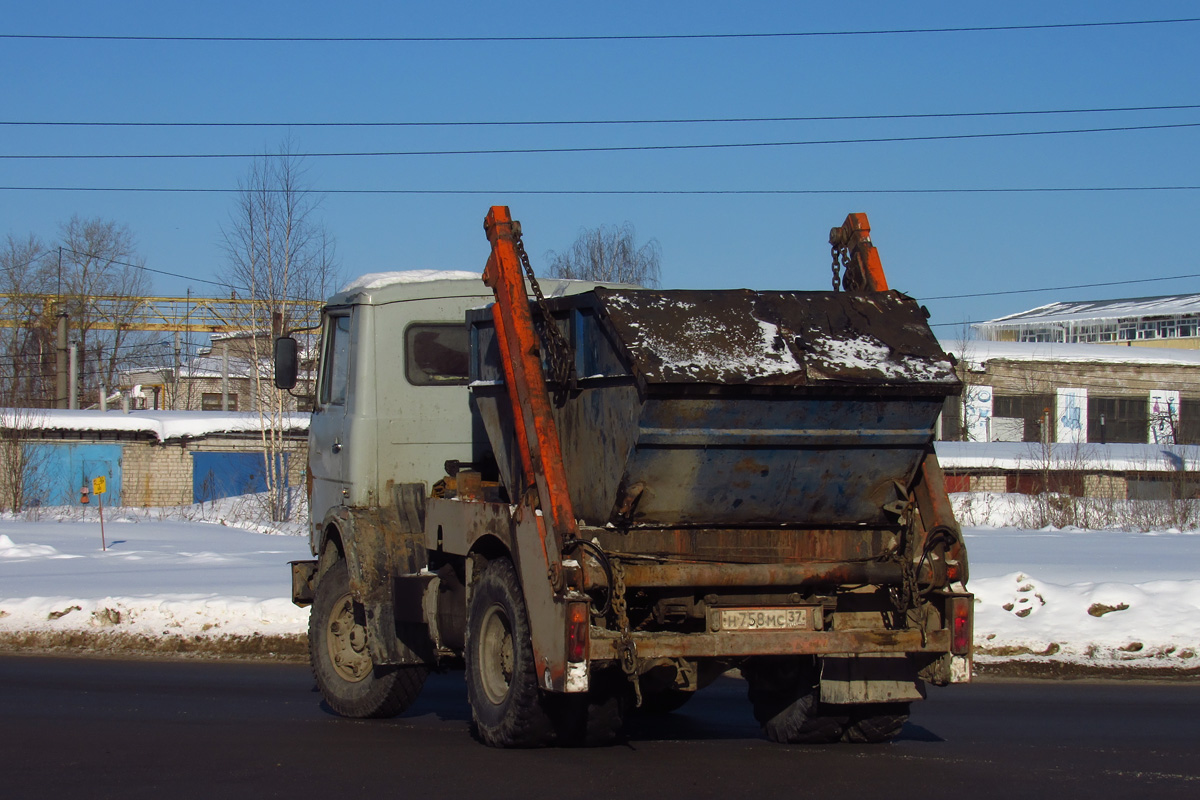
<point x="213" y="573"/>
<point x="1156" y="623"/>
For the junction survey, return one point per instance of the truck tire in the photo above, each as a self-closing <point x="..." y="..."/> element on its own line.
<point x="351" y="683"/>
<point x="875" y="723"/>
<point x="507" y="707"/>
<point x="784" y="693"/>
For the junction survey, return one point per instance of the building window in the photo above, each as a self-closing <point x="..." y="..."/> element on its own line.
<point x="436" y="354"/>
<point x="1118" y="419"/>
<point x="1034" y="409"/>
<point x="211" y="401"/>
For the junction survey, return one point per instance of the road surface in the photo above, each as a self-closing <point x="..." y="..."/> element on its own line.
<point x="127" y="729"/>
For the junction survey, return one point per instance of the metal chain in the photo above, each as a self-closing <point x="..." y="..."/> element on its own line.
<point x="626" y="648"/>
<point x="558" y="351"/>
<point x="836" y="253"/>
<point x="910" y="589"/>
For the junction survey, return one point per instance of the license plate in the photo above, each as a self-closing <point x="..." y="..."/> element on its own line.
<point x="761" y="619"/>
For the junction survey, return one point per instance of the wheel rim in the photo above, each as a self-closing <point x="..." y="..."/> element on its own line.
<point x="496" y="654"/>
<point x="346" y="641"/>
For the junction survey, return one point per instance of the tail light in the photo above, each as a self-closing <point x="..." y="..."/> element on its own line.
<point x="958" y="610"/>
<point x="578" y="621"/>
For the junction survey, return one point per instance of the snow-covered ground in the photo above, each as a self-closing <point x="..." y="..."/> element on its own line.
<point x="203" y="577"/>
<point x="200" y="577"/>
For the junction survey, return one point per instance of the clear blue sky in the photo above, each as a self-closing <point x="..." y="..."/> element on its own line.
<point x="931" y="244"/>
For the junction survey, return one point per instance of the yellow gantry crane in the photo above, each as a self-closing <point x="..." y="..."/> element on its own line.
<point x="185" y="314"/>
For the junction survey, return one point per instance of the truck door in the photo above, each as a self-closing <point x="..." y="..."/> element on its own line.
<point x="328" y="431"/>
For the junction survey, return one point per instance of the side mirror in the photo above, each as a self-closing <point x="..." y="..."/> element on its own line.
<point x="286" y="363"/>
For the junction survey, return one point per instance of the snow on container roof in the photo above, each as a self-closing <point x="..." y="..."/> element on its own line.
<point x="163" y="425"/>
<point x="1080" y="310"/>
<point x="980" y="351"/>
<point x="782" y="338"/>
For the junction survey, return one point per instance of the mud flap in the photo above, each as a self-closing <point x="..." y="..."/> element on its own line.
<point x="870" y="678"/>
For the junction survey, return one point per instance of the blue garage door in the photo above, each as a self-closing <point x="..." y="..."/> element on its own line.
<point x="57" y="472"/>
<point x="216" y="475"/>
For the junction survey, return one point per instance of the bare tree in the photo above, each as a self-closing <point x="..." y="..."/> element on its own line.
<point x="278" y="252"/>
<point x="23" y="466"/>
<point x="102" y="284"/>
<point x="26" y="350"/>
<point x="608" y="253"/>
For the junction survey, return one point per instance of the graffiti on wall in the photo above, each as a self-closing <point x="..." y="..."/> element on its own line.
<point x="1071" y="415"/>
<point x="1164" y="416"/>
<point x="977" y="407"/>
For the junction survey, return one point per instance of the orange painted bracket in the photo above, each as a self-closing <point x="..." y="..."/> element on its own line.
<point x="854" y="236"/>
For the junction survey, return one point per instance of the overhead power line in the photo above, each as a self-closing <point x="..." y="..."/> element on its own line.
<point x="599" y="37"/>
<point x="497" y="192"/>
<point x="605" y="149"/>
<point x="584" y="122"/>
<point x="1060" y="288"/>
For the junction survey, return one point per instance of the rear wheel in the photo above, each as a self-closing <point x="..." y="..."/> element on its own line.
<point x="349" y="680"/>
<point x="876" y="722"/>
<point x="507" y="707"/>
<point x="784" y="693"/>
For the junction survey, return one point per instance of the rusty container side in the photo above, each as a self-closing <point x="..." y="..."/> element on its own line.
<point x="736" y="408"/>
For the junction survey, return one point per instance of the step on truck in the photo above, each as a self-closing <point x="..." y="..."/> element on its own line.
<point x="597" y="499"/>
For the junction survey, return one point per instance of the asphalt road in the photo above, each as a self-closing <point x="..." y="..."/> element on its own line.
<point x="104" y="728"/>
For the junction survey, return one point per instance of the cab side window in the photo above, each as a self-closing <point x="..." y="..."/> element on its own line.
<point x="335" y="374"/>
<point x="436" y="354"/>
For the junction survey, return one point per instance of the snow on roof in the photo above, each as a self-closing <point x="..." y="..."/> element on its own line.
<point x="1078" y="310"/>
<point x="979" y="351"/>
<point x="1089" y="456"/>
<point x="164" y="425"/>
<point x="377" y="280"/>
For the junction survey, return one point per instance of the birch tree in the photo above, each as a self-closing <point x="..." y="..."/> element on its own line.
<point x="611" y="254"/>
<point x="278" y="252"/>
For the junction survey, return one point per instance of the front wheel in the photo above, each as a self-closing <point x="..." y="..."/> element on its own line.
<point x="349" y="680"/>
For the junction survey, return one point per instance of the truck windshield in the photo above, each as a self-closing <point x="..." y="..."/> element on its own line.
<point x="336" y="372"/>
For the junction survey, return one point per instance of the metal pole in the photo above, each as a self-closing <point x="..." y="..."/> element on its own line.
<point x="100" y="506"/>
<point x="224" y="376"/>
<point x="175" y="400"/>
<point x="60" y="363"/>
<point x="73" y="378"/>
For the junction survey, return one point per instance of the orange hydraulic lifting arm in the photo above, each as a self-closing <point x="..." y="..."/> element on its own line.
<point x="537" y="437"/>
<point x="864" y="270"/>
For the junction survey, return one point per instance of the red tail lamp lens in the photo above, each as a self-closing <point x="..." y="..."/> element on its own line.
<point x="577" y="631"/>
<point x="959" y="609"/>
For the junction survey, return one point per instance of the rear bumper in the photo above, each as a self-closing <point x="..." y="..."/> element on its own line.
<point x="604" y="643"/>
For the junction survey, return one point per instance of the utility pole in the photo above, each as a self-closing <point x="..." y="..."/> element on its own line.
<point x="175" y="401"/>
<point x="73" y="392"/>
<point x="224" y="376"/>
<point x="60" y="362"/>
